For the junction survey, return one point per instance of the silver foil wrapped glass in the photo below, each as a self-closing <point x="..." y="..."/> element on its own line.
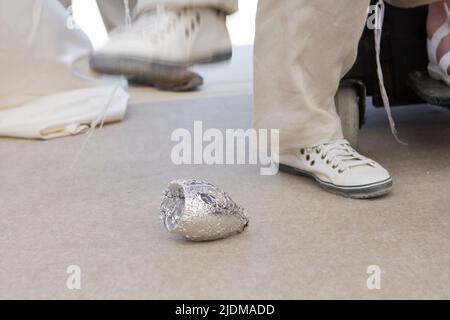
<point x="199" y="211"/>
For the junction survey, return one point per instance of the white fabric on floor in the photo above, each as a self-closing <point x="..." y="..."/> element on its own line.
<point x="40" y="95"/>
<point x="67" y="113"/>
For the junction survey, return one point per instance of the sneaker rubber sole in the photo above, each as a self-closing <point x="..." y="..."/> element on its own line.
<point x="160" y="74"/>
<point x="369" y="191"/>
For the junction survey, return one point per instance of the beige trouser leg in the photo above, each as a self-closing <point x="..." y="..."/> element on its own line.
<point x="303" y="48"/>
<point x="113" y="11"/>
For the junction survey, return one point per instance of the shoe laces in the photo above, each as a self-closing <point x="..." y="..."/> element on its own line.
<point x="340" y="155"/>
<point x="154" y="25"/>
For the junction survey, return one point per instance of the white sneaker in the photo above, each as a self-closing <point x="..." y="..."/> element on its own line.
<point x="164" y="43"/>
<point x="338" y="168"/>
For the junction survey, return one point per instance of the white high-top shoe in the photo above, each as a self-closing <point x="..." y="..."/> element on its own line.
<point x="161" y="44"/>
<point x="338" y="168"/>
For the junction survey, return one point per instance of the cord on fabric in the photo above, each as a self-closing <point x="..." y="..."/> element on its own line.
<point x="128" y="19"/>
<point x="122" y="82"/>
<point x="93" y="125"/>
<point x="37" y="14"/>
<point x="387" y="106"/>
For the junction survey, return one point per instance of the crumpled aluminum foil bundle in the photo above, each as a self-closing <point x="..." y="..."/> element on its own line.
<point x="199" y="211"/>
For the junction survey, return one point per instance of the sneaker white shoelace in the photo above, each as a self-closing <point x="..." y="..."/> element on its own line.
<point x="151" y="25"/>
<point x="340" y="155"/>
<point x="154" y="25"/>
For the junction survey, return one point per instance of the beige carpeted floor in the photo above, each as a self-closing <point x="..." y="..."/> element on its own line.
<point x="103" y="215"/>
